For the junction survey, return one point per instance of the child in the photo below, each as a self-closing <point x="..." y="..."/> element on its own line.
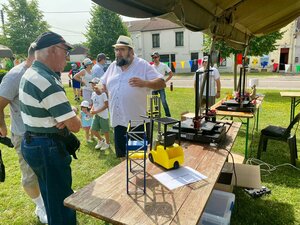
<point x="100" y="121"/>
<point x="86" y="120"/>
<point x="75" y="83"/>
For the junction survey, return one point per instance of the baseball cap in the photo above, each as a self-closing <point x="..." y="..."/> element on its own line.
<point x="154" y="54"/>
<point x="95" y="80"/>
<point x="85" y="104"/>
<point x="74" y="66"/>
<point x="124" y="41"/>
<point x="101" y="56"/>
<point x="205" y="58"/>
<point x="87" y="62"/>
<point x="99" y="85"/>
<point x="48" y="39"/>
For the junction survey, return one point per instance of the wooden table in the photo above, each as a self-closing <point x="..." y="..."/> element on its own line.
<point x="246" y="115"/>
<point x="294" y="101"/>
<point x="105" y="198"/>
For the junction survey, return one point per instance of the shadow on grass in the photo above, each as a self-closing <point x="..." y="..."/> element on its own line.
<point x="263" y="211"/>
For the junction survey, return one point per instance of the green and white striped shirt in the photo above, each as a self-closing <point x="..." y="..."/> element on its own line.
<point x="43" y="101"/>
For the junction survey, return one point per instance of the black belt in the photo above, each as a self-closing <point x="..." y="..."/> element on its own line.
<point x="34" y="134"/>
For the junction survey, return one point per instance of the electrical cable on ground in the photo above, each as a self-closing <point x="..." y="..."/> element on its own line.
<point x="269" y="168"/>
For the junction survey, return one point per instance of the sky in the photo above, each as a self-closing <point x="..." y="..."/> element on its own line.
<point x="70" y="25"/>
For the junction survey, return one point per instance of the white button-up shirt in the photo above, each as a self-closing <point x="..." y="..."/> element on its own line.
<point x="126" y="102"/>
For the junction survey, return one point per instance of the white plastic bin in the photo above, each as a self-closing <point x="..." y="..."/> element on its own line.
<point x="218" y="209"/>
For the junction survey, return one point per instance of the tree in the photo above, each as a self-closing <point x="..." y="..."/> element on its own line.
<point x="103" y="30"/>
<point x="258" y="46"/>
<point x="24" y="24"/>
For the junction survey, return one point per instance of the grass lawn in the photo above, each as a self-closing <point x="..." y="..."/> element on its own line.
<point x="280" y="207"/>
<point x="249" y="75"/>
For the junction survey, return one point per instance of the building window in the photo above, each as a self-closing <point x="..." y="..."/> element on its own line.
<point x="179" y="38"/>
<point x="155" y="41"/>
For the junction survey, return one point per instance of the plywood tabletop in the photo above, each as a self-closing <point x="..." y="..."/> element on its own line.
<point x="106" y="198"/>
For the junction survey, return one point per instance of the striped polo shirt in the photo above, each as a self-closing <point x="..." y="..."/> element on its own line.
<point x="43" y="101"/>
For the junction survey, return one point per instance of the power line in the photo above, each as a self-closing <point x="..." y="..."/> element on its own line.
<point x="75" y="32"/>
<point x="67" y="12"/>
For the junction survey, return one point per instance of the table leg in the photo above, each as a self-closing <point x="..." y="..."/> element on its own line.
<point x="247" y="134"/>
<point x="292" y="109"/>
<point x="257" y="119"/>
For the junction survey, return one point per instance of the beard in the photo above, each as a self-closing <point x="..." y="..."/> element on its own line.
<point x="123" y="61"/>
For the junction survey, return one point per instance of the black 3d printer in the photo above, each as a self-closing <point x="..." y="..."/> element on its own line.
<point x="203" y="127"/>
<point x="242" y="102"/>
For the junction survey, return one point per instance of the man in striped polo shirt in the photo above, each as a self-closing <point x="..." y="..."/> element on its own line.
<point x="46" y="111"/>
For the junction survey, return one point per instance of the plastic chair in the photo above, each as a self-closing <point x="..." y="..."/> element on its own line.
<point x="281" y="134"/>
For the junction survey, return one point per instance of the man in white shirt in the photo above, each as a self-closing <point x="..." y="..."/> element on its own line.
<point x="214" y="81"/>
<point x="163" y="69"/>
<point x="128" y="80"/>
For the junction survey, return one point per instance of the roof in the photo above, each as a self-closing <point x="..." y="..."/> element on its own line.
<point x="235" y="21"/>
<point x="5" y="52"/>
<point x="79" y="50"/>
<point x="151" y="24"/>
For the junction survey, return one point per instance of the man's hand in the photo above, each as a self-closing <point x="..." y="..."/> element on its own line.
<point x="218" y="95"/>
<point x="60" y="125"/>
<point x="3" y="130"/>
<point x="137" y="82"/>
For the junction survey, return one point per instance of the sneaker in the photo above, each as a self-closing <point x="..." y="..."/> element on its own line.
<point x="104" y="146"/>
<point x="41" y="215"/>
<point x="100" y="144"/>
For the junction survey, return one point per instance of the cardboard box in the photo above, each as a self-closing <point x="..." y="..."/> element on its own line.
<point x="248" y="176"/>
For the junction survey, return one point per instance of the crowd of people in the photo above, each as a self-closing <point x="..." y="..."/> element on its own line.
<point x="39" y="103"/>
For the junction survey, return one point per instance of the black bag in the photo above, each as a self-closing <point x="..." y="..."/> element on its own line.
<point x="2" y="169"/>
<point x="6" y="141"/>
<point x="71" y="141"/>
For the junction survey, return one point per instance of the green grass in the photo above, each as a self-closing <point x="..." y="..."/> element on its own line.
<point x="249" y="75"/>
<point x="281" y="207"/>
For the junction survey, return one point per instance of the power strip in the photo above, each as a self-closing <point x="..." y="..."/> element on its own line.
<point x="255" y="193"/>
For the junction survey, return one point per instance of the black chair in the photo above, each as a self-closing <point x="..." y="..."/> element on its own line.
<point x="281" y="134"/>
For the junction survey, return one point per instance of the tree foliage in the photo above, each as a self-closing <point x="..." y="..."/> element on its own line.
<point x="24" y="24"/>
<point x="258" y="46"/>
<point x="103" y="30"/>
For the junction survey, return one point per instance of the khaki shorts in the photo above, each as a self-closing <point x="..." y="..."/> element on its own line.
<point x="29" y="179"/>
<point x="100" y="124"/>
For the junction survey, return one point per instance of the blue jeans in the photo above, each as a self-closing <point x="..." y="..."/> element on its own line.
<point x="163" y="99"/>
<point x="120" y="138"/>
<point x="50" y="161"/>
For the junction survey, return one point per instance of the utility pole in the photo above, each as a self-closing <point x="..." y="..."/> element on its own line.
<point x="2" y="19"/>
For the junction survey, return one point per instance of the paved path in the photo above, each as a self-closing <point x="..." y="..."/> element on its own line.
<point x="278" y="82"/>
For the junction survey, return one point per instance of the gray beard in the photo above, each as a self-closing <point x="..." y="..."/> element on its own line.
<point x="122" y="62"/>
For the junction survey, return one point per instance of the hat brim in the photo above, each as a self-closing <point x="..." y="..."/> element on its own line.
<point x="122" y="45"/>
<point x="68" y="45"/>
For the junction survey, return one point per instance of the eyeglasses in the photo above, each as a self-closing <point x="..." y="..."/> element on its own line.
<point x="67" y="50"/>
<point x="155" y="57"/>
<point x="120" y="49"/>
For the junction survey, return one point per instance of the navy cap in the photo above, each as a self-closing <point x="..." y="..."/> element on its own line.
<point x="48" y="39"/>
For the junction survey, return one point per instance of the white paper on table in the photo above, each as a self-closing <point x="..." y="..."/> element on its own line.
<point x="179" y="177"/>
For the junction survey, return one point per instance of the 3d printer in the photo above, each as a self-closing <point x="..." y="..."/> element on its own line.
<point x="203" y="127"/>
